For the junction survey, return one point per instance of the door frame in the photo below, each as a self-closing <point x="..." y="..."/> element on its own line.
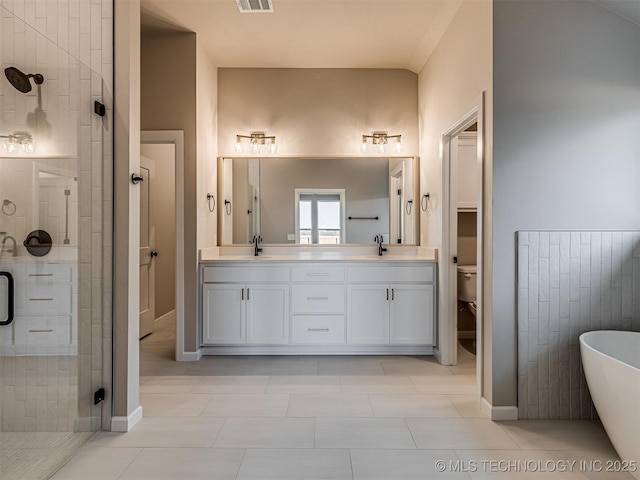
<point x="176" y="138"/>
<point x="447" y="321"/>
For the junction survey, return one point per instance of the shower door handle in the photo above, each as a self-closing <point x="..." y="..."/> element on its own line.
<point x="10" y="298"/>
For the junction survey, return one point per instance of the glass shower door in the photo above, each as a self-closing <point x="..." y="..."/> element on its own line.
<point x="51" y="239"/>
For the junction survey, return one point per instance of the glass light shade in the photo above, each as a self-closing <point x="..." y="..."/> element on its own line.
<point x="238" y="146"/>
<point x="255" y="148"/>
<point x="398" y="145"/>
<point x="381" y="148"/>
<point x="273" y="148"/>
<point x="10" y="146"/>
<point x="27" y="145"/>
<point x="364" y="147"/>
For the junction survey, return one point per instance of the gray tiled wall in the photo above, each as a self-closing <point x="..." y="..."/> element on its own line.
<point x="569" y="283"/>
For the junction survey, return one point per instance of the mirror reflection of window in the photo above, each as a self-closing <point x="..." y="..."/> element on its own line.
<point x="320" y="218"/>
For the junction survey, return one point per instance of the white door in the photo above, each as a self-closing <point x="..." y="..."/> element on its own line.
<point x="267" y="314"/>
<point x="411" y="314"/>
<point x="368" y="314"/>
<point x="147" y="265"/>
<point x="223" y="312"/>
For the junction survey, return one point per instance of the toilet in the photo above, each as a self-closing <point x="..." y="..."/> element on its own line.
<point x="467" y="286"/>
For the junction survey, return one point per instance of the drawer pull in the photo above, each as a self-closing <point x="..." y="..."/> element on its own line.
<point x="49" y="330"/>
<point x="317" y="329"/>
<point x="40" y="299"/>
<point x="317" y="274"/>
<point x="317" y="298"/>
<point x="41" y="274"/>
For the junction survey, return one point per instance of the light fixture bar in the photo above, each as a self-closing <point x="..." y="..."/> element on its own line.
<point x="381" y="139"/>
<point x="256" y="140"/>
<point x="24" y="140"/>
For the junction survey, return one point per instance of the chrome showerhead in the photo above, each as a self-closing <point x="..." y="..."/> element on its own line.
<point x="20" y="80"/>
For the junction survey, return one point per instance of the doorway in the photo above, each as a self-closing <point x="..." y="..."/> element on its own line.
<point x="453" y="205"/>
<point x="166" y="232"/>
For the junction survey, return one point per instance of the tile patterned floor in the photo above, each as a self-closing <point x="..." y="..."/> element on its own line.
<point x="351" y="418"/>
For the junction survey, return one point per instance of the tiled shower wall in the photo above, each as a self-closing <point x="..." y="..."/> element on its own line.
<point x="83" y="31"/>
<point x="569" y="283"/>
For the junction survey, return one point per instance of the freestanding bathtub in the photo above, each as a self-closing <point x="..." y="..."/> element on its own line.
<point x="611" y="361"/>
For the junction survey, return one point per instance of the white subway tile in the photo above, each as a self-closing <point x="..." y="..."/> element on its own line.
<point x="544" y="245"/>
<point x="585" y="265"/>
<point x="523" y="238"/>
<point x="533" y="296"/>
<point x="523" y="309"/>
<point x="543" y="280"/>
<point x="523" y="266"/>
<point x="554" y="266"/>
<point x="575" y="244"/>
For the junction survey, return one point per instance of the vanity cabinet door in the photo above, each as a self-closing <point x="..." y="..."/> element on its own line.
<point x="368" y="314"/>
<point x="267" y="314"/>
<point x="411" y="314"/>
<point x="223" y="312"/>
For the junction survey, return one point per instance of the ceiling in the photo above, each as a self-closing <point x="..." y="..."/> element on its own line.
<point x="310" y="33"/>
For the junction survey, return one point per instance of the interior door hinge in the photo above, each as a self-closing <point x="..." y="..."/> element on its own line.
<point x="99" y="395"/>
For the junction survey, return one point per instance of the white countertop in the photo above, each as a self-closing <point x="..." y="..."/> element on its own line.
<point x="289" y="254"/>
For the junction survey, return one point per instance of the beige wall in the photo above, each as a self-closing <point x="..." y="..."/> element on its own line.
<point x="126" y="208"/>
<point x="206" y="124"/>
<point x="168" y="102"/>
<point x="458" y="71"/>
<point x="163" y="213"/>
<point x="317" y="112"/>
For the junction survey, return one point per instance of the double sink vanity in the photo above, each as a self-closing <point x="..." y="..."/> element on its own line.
<point x="331" y="290"/>
<point x="318" y="302"/>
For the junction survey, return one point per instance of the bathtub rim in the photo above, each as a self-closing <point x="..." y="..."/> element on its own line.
<point x="583" y="342"/>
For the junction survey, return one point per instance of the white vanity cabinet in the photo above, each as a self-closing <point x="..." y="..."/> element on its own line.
<point x="237" y="312"/>
<point x="390" y="305"/>
<point x="266" y="306"/>
<point x="317" y="304"/>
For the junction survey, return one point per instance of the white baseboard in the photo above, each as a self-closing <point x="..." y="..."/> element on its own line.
<point x="166" y="316"/>
<point x="498" y="414"/>
<point x="125" y="424"/>
<point x="191" y="356"/>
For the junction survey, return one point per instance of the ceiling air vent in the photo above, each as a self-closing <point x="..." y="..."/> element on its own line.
<point x="255" y="6"/>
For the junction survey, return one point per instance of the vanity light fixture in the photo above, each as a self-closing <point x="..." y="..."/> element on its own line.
<point x="18" y="142"/>
<point x="256" y="140"/>
<point x="377" y="142"/>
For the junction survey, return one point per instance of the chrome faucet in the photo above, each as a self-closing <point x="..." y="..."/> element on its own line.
<point x="14" y="250"/>
<point x="379" y="239"/>
<point x="256" y="242"/>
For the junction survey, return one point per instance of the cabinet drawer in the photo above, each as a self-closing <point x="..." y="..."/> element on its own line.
<point x="42" y="332"/>
<point x="37" y="272"/>
<point x="37" y="299"/>
<point x="245" y="274"/>
<point x="317" y="298"/>
<point x="317" y="273"/>
<point x="308" y="329"/>
<point x="383" y="274"/>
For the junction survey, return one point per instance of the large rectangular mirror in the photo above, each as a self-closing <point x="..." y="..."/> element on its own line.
<point x="318" y="200"/>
